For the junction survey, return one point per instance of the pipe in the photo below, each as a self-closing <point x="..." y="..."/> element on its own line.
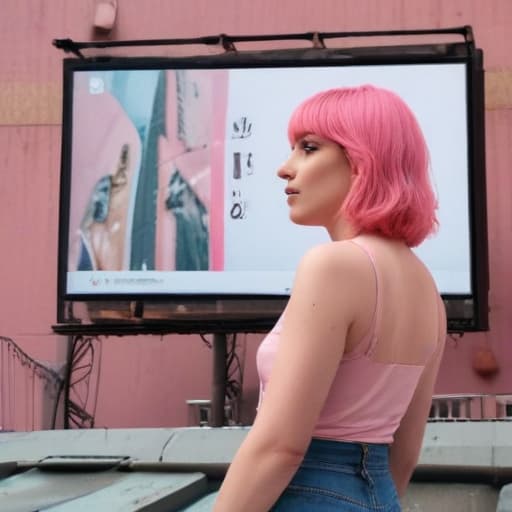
<point x="491" y="475"/>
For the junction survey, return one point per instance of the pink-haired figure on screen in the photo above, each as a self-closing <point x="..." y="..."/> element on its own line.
<point x="348" y="372"/>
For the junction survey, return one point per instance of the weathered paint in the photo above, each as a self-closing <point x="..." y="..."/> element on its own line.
<point x="145" y="381"/>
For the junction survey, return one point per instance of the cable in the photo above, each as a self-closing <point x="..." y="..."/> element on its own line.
<point x="60" y="389"/>
<point x="83" y="357"/>
<point x="234" y="375"/>
<point x="207" y="342"/>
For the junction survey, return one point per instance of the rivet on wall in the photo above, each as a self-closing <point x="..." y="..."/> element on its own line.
<point x="105" y="15"/>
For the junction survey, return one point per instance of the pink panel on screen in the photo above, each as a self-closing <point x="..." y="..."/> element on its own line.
<point x="220" y="93"/>
<point x="100" y="129"/>
<point x="194" y="146"/>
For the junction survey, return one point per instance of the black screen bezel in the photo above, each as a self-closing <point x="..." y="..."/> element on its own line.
<point x="465" y="312"/>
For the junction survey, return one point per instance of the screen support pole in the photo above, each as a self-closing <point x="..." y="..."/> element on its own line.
<point x="219" y="348"/>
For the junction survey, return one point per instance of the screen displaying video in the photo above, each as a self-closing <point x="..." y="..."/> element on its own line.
<point x="173" y="186"/>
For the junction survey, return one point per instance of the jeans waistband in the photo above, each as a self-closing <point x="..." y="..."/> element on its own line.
<point x="375" y="456"/>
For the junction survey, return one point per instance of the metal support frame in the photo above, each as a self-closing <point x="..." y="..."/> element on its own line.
<point x="219" y="348"/>
<point x="81" y="335"/>
<point x="79" y="407"/>
<point x="82" y="377"/>
<point x="228" y="42"/>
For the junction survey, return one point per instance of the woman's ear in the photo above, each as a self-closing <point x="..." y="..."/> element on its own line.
<point x="354" y="171"/>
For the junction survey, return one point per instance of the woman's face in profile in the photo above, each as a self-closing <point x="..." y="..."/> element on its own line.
<point x="318" y="176"/>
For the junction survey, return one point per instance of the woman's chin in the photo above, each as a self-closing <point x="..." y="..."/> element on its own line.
<point x="302" y="220"/>
<point x="295" y="218"/>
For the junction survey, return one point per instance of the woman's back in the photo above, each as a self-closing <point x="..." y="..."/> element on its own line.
<point x="391" y="338"/>
<point x="408" y="301"/>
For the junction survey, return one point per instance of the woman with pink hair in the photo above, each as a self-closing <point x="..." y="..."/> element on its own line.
<point x="347" y="374"/>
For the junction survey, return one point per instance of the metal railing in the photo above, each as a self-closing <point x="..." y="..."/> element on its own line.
<point x="471" y="407"/>
<point x="29" y="390"/>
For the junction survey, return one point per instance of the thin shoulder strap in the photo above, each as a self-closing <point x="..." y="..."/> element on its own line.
<point x="370" y="341"/>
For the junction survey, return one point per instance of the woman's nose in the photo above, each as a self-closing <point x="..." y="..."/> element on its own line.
<point x="285" y="171"/>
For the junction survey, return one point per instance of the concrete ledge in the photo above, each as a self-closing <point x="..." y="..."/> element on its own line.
<point x="472" y="443"/>
<point x="505" y="499"/>
<point x="468" y="443"/>
<point x="469" y="447"/>
<point x="442" y="497"/>
<point x="196" y="444"/>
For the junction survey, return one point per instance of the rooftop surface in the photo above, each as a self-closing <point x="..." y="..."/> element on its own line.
<point x="462" y="464"/>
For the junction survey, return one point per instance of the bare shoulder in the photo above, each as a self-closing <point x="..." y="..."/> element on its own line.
<point x="339" y="271"/>
<point x="343" y="257"/>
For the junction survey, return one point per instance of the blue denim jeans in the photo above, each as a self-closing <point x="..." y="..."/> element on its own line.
<point x="340" y="476"/>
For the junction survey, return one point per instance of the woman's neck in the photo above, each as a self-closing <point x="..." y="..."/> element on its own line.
<point x="341" y="230"/>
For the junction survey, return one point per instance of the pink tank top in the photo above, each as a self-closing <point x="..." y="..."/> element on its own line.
<point x="367" y="399"/>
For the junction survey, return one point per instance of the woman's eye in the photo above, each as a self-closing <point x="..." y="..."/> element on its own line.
<point x="309" y="147"/>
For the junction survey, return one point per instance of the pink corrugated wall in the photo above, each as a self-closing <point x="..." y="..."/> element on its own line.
<point x="145" y="381"/>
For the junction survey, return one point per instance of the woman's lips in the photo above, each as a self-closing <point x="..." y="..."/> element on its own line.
<point x="291" y="194"/>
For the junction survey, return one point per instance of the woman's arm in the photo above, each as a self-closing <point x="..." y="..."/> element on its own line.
<point x="406" y="447"/>
<point x="329" y="288"/>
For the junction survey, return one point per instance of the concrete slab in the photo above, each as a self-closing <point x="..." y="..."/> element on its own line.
<point x="148" y="492"/>
<point x="505" y="499"/>
<point x="444" y="497"/>
<point x="141" y="443"/>
<point x="197" y="444"/>
<point x="468" y="443"/>
<point x="483" y="444"/>
<point x="205" y="504"/>
<point x="204" y="444"/>
<point x="34" y="490"/>
<point x="502" y="449"/>
<point x="105" y="491"/>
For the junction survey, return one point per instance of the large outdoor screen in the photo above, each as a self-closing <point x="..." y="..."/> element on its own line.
<point x="169" y="184"/>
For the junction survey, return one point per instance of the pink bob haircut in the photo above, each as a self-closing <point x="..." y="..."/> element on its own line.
<point x="383" y="142"/>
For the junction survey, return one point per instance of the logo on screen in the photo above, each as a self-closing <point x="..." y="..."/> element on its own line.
<point x="95" y="281"/>
<point x="96" y="85"/>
